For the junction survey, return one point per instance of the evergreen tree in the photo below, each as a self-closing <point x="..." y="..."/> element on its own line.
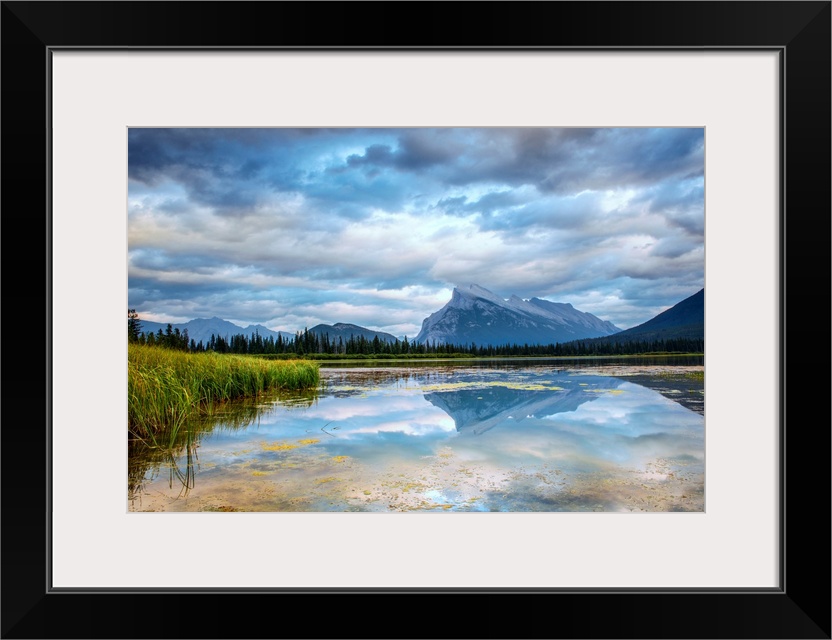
<point x="134" y="327"/>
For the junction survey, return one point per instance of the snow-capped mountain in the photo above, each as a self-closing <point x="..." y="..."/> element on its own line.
<point x="475" y="314"/>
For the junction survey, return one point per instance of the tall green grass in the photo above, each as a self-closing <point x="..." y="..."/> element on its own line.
<point x="165" y="387"/>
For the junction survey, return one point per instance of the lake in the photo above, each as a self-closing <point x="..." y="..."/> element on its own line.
<point x="509" y="436"/>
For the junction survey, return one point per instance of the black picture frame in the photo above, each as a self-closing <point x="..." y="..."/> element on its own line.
<point x="799" y="608"/>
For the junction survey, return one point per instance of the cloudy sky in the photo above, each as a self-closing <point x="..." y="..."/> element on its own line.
<point x="293" y="227"/>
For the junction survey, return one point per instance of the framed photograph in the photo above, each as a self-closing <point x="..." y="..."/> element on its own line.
<point x="647" y="163"/>
<point x="446" y="398"/>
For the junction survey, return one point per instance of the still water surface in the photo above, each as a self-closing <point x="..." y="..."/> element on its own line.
<point x="520" y="436"/>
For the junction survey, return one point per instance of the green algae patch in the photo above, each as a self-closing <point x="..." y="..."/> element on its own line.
<point x="527" y="386"/>
<point x="287" y="446"/>
<point x="452" y="386"/>
<point x="277" y="446"/>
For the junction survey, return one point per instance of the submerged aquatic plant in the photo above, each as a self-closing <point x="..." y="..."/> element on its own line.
<point x="175" y="448"/>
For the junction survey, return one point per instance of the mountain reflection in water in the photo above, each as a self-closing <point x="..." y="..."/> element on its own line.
<point x="527" y="437"/>
<point x="478" y="410"/>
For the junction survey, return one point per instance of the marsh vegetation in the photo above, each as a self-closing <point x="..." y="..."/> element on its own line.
<point x="166" y="387"/>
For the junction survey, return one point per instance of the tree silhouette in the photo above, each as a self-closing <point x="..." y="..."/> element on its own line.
<point x="134" y="327"/>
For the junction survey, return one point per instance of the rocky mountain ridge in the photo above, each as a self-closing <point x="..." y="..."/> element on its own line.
<point x="475" y="314"/>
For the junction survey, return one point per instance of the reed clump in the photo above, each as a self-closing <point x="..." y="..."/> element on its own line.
<point x="167" y="387"/>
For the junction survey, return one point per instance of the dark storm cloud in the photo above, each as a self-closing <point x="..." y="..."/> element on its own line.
<point x="419" y="149"/>
<point x="572" y="160"/>
<point x="375" y="225"/>
<point x="227" y="169"/>
<point x="557" y="162"/>
<point x="683" y="205"/>
<point x="416" y="150"/>
<point x="375" y="155"/>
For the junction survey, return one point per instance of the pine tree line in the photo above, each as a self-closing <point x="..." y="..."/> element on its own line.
<point x="307" y="343"/>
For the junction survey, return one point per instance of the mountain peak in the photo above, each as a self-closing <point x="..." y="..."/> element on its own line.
<point x="475" y="314"/>
<point x="474" y="290"/>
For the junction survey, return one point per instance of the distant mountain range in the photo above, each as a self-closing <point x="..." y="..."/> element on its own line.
<point x="344" y="331"/>
<point x="475" y="314"/>
<point x="201" y="329"/>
